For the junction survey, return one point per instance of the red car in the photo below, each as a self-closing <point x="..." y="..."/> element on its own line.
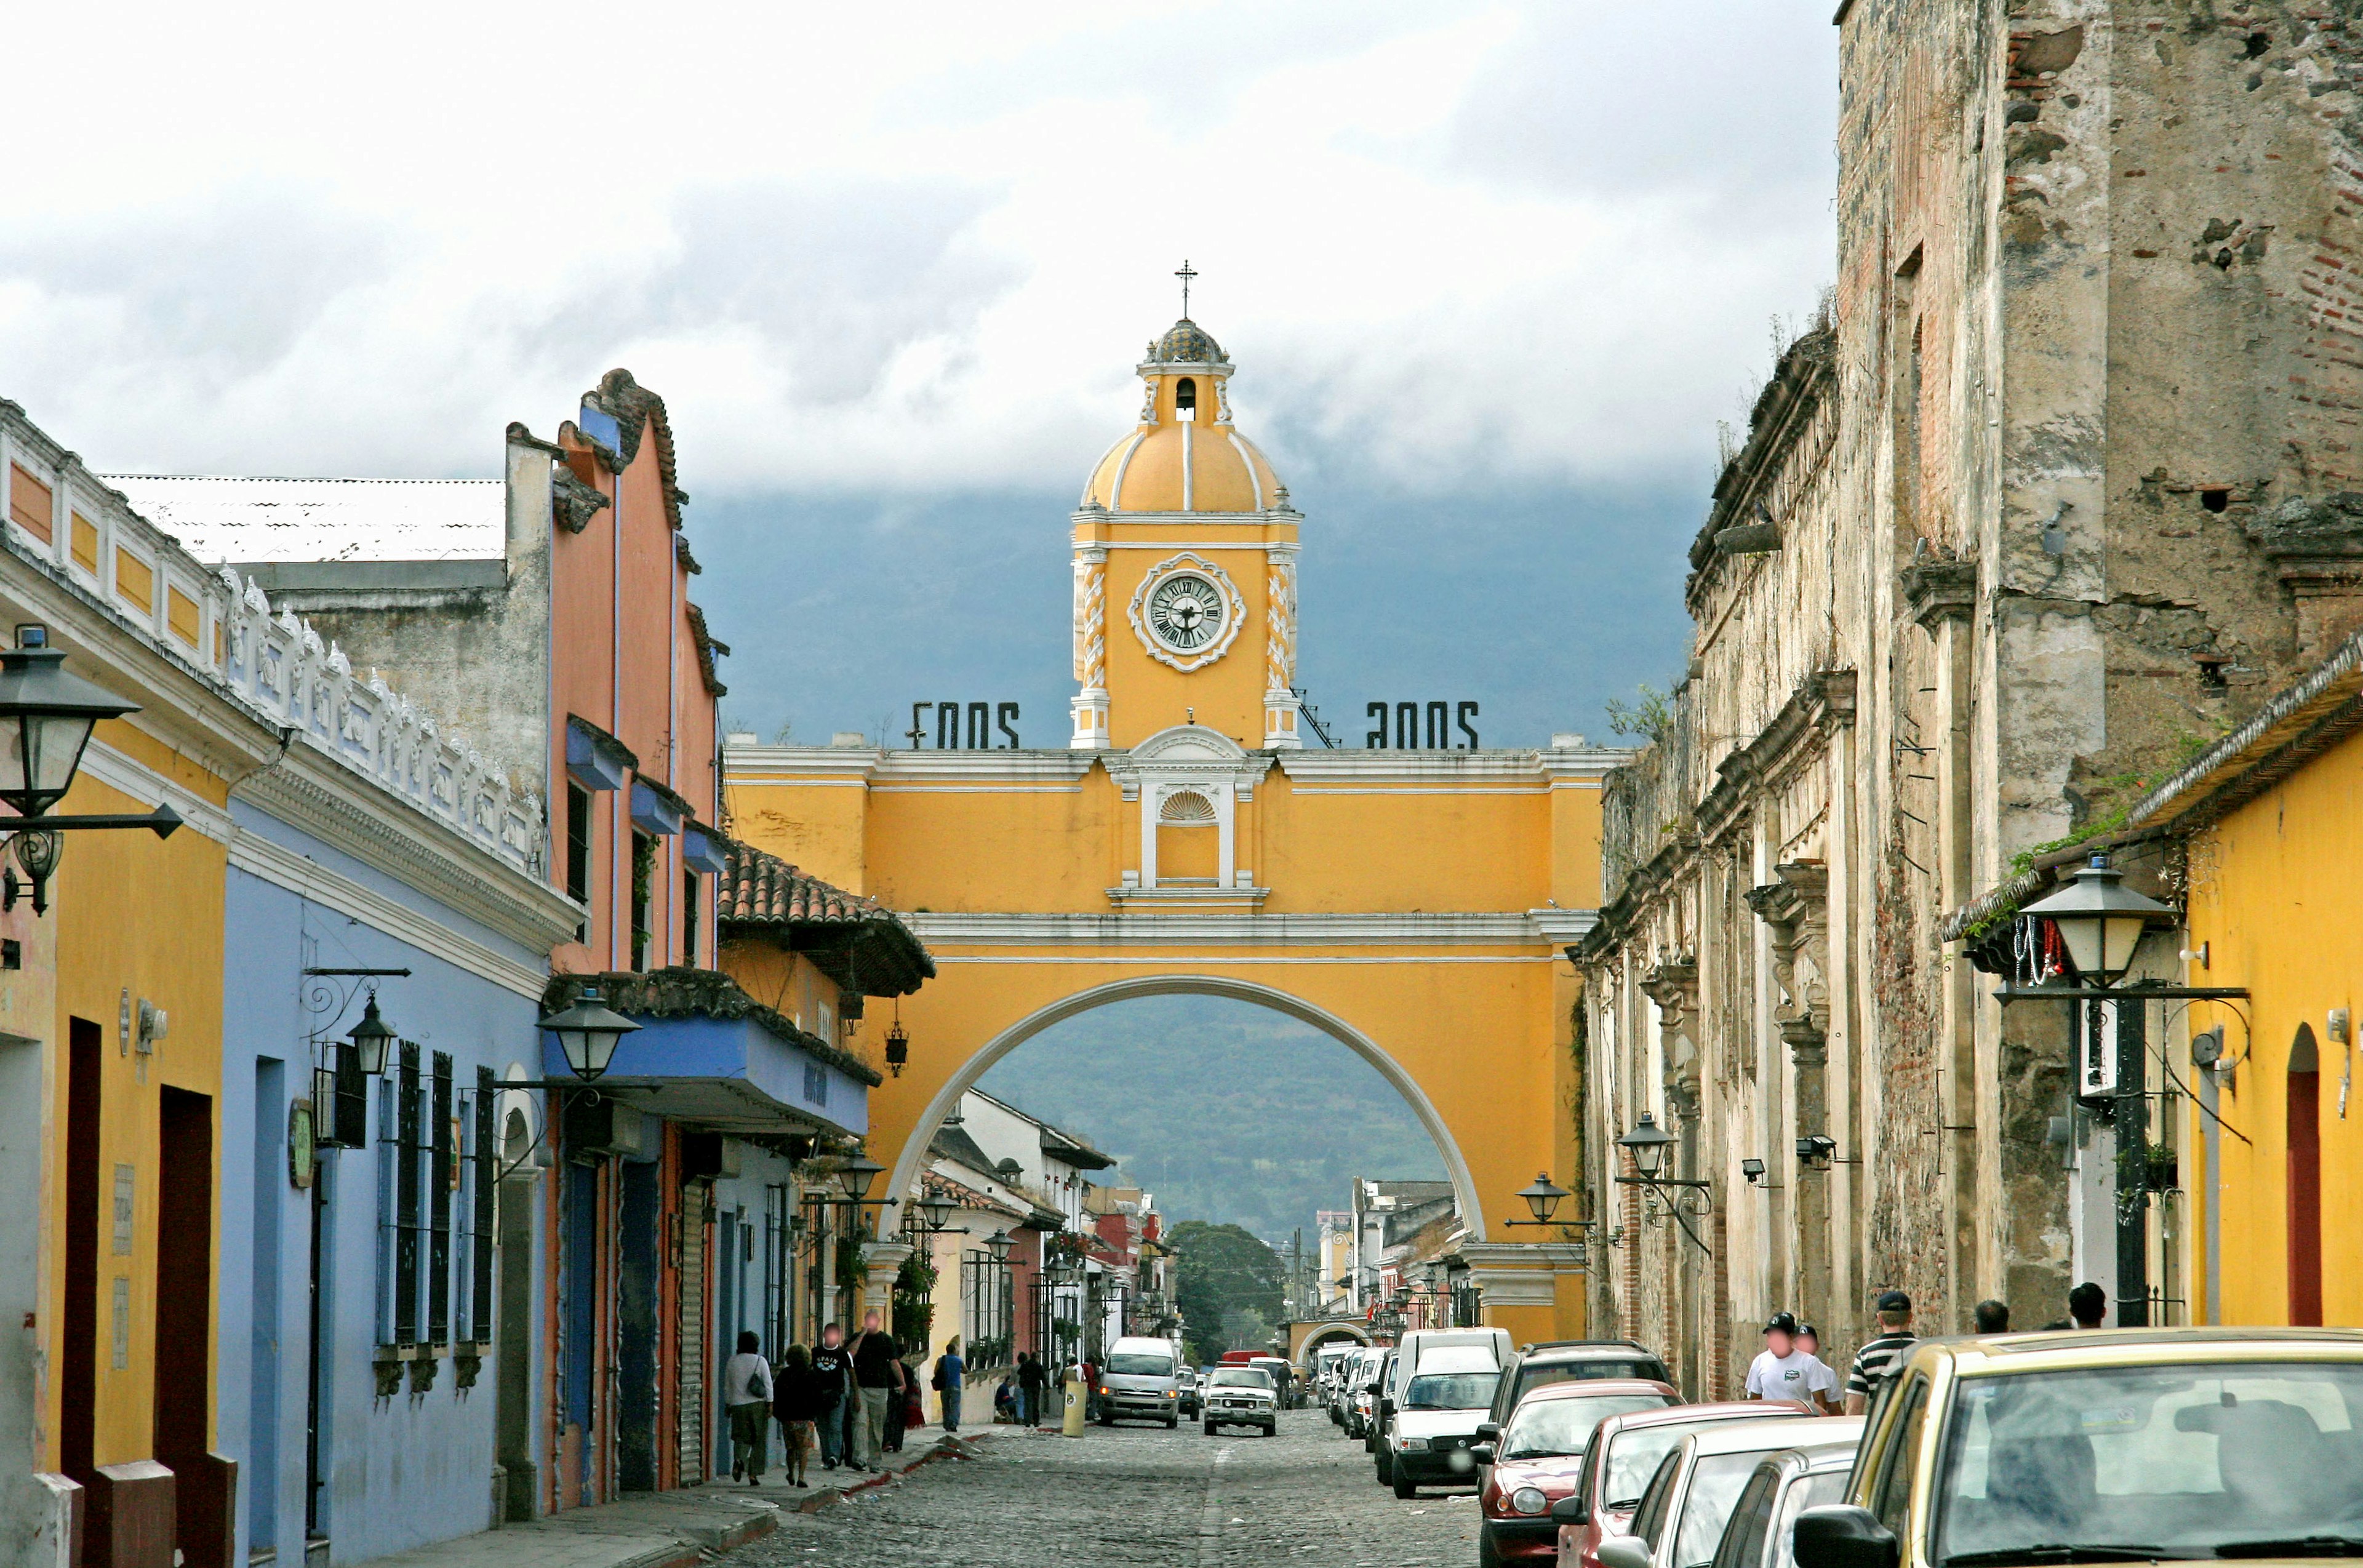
<point x="1618" y="1461"/>
<point x="1538" y="1457"/>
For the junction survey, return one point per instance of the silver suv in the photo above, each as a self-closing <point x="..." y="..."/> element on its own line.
<point x="1241" y="1397"/>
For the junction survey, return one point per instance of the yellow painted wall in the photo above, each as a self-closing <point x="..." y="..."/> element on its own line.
<point x="1402" y="846"/>
<point x="1476" y="1037"/>
<point x="952" y="848"/>
<point x="2275" y="893"/>
<point x="132" y="912"/>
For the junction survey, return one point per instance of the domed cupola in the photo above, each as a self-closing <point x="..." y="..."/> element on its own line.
<point x="1186" y="343"/>
<point x="1184" y="455"/>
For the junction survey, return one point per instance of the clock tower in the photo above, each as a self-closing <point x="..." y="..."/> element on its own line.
<point x="1185" y="568"/>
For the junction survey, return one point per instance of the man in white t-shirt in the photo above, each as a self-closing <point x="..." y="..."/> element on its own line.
<point x="1784" y="1372"/>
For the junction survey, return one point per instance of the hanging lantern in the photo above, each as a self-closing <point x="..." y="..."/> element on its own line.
<point x="898" y="1048"/>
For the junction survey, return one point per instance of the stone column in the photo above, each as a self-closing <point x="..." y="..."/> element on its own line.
<point x="1795" y="911"/>
<point x="1941" y="594"/>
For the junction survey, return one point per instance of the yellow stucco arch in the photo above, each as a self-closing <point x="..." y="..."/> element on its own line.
<point x="1411" y="894"/>
<point x="1456" y="1166"/>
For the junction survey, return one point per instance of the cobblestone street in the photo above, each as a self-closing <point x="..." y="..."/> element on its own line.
<point x="1136" y="1495"/>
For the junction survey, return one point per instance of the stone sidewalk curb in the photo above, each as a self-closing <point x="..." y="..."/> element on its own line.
<point x="948" y="1446"/>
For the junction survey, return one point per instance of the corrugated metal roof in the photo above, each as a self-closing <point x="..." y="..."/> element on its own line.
<point x="248" y="520"/>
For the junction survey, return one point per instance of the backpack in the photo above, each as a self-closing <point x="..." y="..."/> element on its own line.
<point x="937" y="1381"/>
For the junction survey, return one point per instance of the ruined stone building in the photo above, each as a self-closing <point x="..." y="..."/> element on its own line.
<point x="2060" y="487"/>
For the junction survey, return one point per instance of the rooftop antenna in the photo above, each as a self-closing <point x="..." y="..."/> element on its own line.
<point x="1186" y="274"/>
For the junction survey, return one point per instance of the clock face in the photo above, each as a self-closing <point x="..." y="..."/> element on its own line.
<point x="1185" y="612"/>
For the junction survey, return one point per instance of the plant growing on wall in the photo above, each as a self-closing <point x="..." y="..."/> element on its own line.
<point x="914" y="1313"/>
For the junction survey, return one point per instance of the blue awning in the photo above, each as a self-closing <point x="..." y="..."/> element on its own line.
<point x="730" y="1074"/>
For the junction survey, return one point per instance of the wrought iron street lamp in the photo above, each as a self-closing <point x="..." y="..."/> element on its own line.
<point x="587" y="1033"/>
<point x="371" y="1039"/>
<point x="999" y="1244"/>
<point x="1542" y="1199"/>
<point x="1647" y="1145"/>
<point x="859" y="1173"/>
<point x="2100" y="919"/>
<point x="45" y="718"/>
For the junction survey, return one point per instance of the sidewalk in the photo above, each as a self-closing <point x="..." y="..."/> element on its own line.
<point x="663" y="1530"/>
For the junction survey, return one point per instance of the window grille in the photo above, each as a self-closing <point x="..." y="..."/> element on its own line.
<point x="389" y="1145"/>
<point x="410" y="1153"/>
<point x="988" y="1314"/>
<point x="644" y="871"/>
<point x="440" y="1172"/>
<point x="487" y="1195"/>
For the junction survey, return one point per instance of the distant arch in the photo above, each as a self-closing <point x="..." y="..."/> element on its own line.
<point x="1456" y="1167"/>
<point x="1330" y="1333"/>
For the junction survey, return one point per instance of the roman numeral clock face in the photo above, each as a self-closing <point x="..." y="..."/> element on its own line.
<point x="1186" y="612"/>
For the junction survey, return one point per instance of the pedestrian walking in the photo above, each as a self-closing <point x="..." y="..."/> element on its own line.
<point x="915" y="1407"/>
<point x="747" y="1395"/>
<point x="877" y="1377"/>
<point x="1993" y="1316"/>
<point x="1809" y="1340"/>
<point x="832" y="1389"/>
<point x="1032" y="1375"/>
<point x="950" y="1372"/>
<point x="796" y="1401"/>
<point x="1783" y="1370"/>
<point x="1878" y="1362"/>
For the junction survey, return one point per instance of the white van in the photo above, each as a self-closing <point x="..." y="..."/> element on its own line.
<point x="1414" y="1349"/>
<point x="1141" y="1381"/>
<point x="1419" y="1343"/>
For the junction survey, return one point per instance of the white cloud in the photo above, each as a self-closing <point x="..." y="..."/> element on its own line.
<point x="909" y="248"/>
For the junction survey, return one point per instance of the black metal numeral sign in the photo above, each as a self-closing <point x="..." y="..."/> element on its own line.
<point x="978" y="719"/>
<point x="1422" y="727"/>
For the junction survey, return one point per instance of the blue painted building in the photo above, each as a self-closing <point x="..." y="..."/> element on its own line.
<point x="370" y="1292"/>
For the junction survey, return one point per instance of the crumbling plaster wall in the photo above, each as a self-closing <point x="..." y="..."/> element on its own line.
<point x="478" y="656"/>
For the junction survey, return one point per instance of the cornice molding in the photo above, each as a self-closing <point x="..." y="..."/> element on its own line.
<point x="1532" y="928"/>
<point x="283" y="867"/>
<point x="302" y="791"/>
<point x="129" y="775"/>
<point x="1450" y="767"/>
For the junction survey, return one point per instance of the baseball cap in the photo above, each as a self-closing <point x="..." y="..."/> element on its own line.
<point x="1894" y="1301"/>
<point x="1805" y="1328"/>
<point x="1783" y="1322"/>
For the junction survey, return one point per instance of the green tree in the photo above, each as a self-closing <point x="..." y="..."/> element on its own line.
<point x="1224" y="1270"/>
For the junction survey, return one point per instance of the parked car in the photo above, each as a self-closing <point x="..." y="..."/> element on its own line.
<point x="2117" y="1445"/>
<point x="1763" y="1530"/>
<point x="1443" y="1406"/>
<point x="1361" y="1385"/>
<point x="1525" y="1467"/>
<point x="1141" y="1381"/>
<point x="1623" y="1453"/>
<point x="1410" y="1353"/>
<point x="1372" y="1402"/>
<point x="1283" y="1379"/>
<point x="1185" y="1391"/>
<point x="1688" y="1502"/>
<point x="1352" y="1373"/>
<point x="1241" y="1397"/>
<point x="1567" y="1361"/>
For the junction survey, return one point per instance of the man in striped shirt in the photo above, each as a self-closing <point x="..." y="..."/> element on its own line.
<point x="1878" y="1361"/>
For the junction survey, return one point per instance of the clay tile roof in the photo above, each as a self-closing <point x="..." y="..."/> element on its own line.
<point x="857" y="941"/>
<point x="677" y="991"/>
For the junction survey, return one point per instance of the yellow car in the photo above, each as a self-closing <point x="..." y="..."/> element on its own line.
<point x="2108" y="1446"/>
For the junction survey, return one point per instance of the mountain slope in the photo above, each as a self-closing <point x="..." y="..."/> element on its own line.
<point x="1227" y="1112"/>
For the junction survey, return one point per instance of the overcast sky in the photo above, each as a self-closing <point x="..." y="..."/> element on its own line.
<point x="1491" y="274"/>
